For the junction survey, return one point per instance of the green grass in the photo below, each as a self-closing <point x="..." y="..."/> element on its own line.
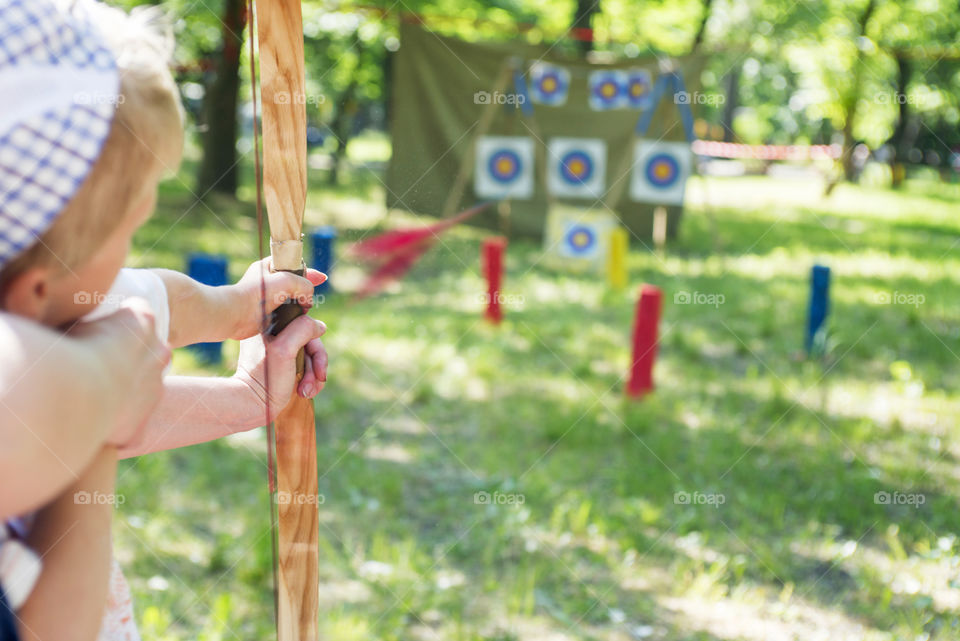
<point x="427" y="405"/>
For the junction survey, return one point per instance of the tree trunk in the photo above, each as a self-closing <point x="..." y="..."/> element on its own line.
<point x="346" y="109"/>
<point x="581" y="28"/>
<point x="342" y="128"/>
<point x="218" y="167"/>
<point x="730" y="106"/>
<point x="898" y="141"/>
<point x="853" y="96"/>
<point x="702" y="29"/>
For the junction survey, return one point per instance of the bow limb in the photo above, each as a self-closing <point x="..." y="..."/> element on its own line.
<point x="284" y="126"/>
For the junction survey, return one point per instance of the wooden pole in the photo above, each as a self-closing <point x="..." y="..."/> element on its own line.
<point x="659" y="227"/>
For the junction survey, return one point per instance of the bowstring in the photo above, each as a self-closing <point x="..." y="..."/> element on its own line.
<point x="264" y="317"/>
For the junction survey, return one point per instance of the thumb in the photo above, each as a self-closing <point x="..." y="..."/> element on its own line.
<point x="283" y="286"/>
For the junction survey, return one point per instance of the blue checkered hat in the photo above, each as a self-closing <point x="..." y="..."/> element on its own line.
<point x="59" y="85"/>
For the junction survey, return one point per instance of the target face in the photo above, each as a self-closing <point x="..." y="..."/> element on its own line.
<point x="660" y="171"/>
<point x="639" y="88"/>
<point x="549" y="84"/>
<point x="504" y="167"/>
<point x="577" y="167"/>
<point x="608" y="90"/>
<point x="580" y="240"/>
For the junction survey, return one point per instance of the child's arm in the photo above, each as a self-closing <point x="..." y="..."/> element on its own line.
<point x="199" y="409"/>
<point x="72" y="537"/>
<point x="201" y="313"/>
<point x="62" y="397"/>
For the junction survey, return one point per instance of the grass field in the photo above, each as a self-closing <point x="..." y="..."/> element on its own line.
<point x="785" y="535"/>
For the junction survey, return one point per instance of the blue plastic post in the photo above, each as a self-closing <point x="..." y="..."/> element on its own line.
<point x="209" y="270"/>
<point x="819" y="303"/>
<point x="321" y="254"/>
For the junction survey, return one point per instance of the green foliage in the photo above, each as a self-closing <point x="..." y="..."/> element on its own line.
<point x="799" y="60"/>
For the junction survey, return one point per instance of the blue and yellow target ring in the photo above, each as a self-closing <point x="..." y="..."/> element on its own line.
<point x="504" y="166"/>
<point x="576" y="167"/>
<point x="638" y="88"/>
<point x="607" y="90"/>
<point x="550" y="83"/>
<point x="580" y="239"/>
<point x="662" y="170"/>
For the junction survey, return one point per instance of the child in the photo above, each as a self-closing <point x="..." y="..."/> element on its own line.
<point x="80" y="160"/>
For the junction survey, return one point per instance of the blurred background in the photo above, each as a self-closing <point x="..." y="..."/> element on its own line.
<point x="784" y="177"/>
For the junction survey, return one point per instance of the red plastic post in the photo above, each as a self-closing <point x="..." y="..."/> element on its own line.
<point x="644" y="341"/>
<point x="492" y="256"/>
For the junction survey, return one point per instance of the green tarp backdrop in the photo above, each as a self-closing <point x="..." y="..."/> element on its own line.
<point x="435" y="114"/>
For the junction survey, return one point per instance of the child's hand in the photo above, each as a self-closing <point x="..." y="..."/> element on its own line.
<point x="135" y="358"/>
<point x="281" y="350"/>
<point x="280" y="286"/>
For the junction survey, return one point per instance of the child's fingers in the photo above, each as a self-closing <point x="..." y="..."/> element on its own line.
<point x="308" y="384"/>
<point x="320" y="360"/>
<point x="296" y="335"/>
<point x="314" y="369"/>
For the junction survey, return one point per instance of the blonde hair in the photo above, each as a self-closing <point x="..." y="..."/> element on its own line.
<point x="146" y="134"/>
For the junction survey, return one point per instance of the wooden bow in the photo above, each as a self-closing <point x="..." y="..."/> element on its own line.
<point x="284" y="126"/>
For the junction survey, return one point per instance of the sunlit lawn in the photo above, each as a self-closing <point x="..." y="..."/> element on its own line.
<point x="427" y="405"/>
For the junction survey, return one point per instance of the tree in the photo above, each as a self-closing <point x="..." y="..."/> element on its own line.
<point x="218" y="166"/>
<point x="581" y="27"/>
<point x="702" y="29"/>
<point x="852" y="96"/>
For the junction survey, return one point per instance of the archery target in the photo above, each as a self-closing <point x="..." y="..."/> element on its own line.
<point x="639" y="88"/>
<point x="608" y="90"/>
<point x="660" y="171"/>
<point x="504" y="167"/>
<point x="549" y="84"/>
<point x="578" y="239"/>
<point x="577" y="167"/>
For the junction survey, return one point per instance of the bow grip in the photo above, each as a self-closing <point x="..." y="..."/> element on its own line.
<point x="286" y="256"/>
<point x="288" y="311"/>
